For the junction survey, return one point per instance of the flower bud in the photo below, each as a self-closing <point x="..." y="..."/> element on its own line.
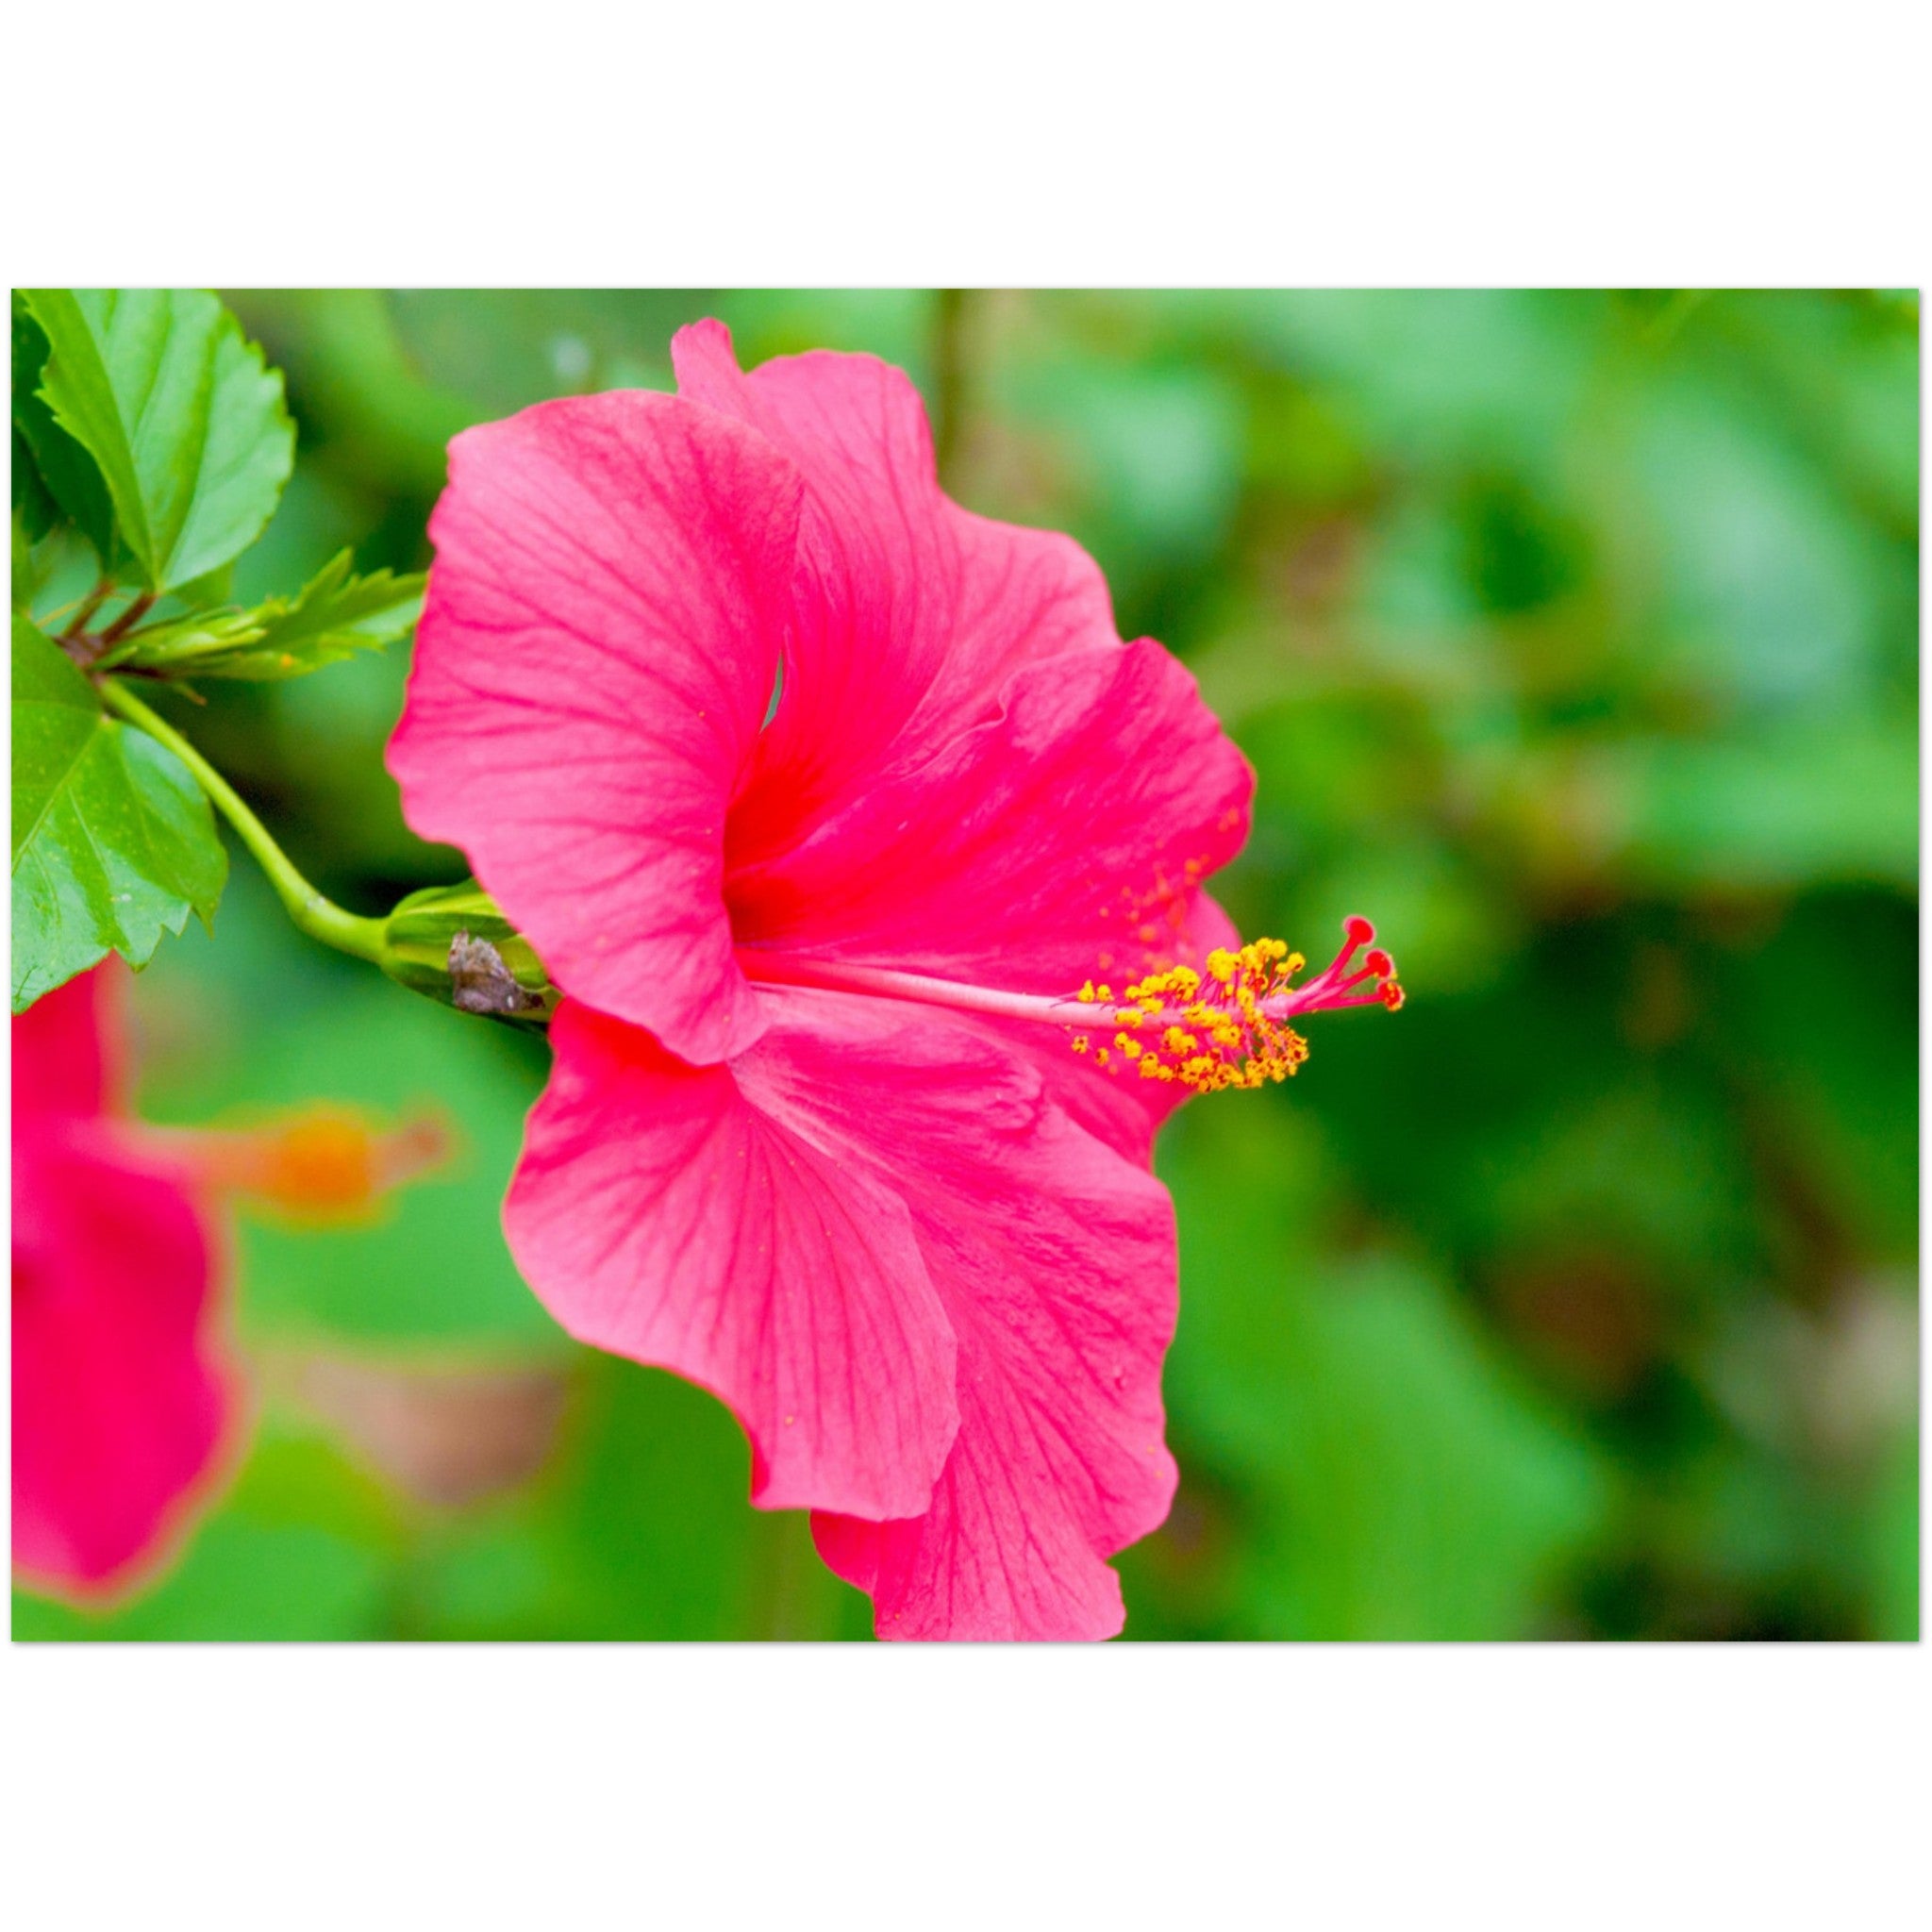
<point x="453" y="944"/>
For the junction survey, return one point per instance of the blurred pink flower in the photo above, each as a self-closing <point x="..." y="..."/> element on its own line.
<point x="120" y="1400"/>
<point x="819" y="797"/>
<point x="119" y="1403"/>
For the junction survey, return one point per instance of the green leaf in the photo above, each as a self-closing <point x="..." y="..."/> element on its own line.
<point x="333" y="617"/>
<point x="336" y="614"/>
<point x="35" y="512"/>
<point x="52" y="475"/>
<point x="114" y="842"/>
<point x="175" y="405"/>
<point x="20" y="578"/>
<point x="214" y="587"/>
<point x="1818" y="797"/>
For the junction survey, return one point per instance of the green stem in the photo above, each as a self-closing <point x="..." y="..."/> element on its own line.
<point x="949" y="378"/>
<point x="320" y="918"/>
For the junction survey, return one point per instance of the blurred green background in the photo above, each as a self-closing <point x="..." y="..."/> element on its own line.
<point x="1574" y="638"/>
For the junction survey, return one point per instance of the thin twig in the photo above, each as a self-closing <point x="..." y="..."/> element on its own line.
<point x="129" y="619"/>
<point x="84" y="614"/>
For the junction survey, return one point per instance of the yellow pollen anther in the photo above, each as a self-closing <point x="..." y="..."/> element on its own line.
<point x="1227" y="1026"/>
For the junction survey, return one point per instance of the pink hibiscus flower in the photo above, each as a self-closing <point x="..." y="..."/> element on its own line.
<point x="119" y="1404"/>
<point x="832" y="809"/>
<point x="122" y="1405"/>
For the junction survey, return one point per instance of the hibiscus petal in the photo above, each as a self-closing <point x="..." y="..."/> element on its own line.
<point x="686" y="1217"/>
<point x="64" y="1059"/>
<point x="911" y="613"/>
<point x="596" y="655"/>
<point x="118" y="1410"/>
<point x="1062" y="838"/>
<point x="1056" y="1268"/>
<point x="987" y="1562"/>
